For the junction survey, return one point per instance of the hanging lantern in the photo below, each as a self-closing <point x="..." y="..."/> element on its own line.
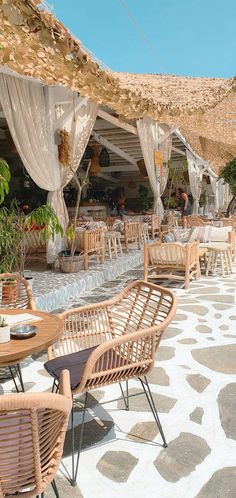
<point x="158" y="160"/>
<point x="95" y="167"/>
<point x="131" y="185"/>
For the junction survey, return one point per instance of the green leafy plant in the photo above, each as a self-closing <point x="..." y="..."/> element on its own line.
<point x="5" y="177"/>
<point x="144" y="202"/>
<point x="80" y="184"/>
<point x="14" y="224"/>
<point x="228" y="174"/>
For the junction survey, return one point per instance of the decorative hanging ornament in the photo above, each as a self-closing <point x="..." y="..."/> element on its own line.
<point x="64" y="149"/>
<point x="95" y="167"/>
<point x="158" y="160"/>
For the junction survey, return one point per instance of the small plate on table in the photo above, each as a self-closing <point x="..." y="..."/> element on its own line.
<point x="23" y="331"/>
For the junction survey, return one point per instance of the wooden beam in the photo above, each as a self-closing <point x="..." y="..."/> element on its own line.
<point x="69" y="113"/>
<point x="119" y="152"/>
<point x="120" y="167"/>
<point x="117" y="122"/>
<point x="179" y="151"/>
<point x="167" y="134"/>
<point x="107" y="177"/>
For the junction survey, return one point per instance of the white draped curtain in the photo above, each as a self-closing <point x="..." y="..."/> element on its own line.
<point x="195" y="179"/>
<point x="224" y="194"/>
<point x="150" y="134"/>
<point x="25" y="105"/>
<point x="215" y="189"/>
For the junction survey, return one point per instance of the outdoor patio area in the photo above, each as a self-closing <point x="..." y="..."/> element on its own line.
<point x="193" y="383"/>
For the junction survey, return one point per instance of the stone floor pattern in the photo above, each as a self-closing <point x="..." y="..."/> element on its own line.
<point x="194" y="387"/>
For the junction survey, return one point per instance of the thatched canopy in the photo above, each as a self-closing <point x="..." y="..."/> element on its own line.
<point x="207" y="110"/>
<point x="35" y="44"/>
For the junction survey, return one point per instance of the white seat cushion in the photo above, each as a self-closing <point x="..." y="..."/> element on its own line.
<point x="220" y="234"/>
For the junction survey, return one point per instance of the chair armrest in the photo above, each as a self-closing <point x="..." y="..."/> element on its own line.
<point x="124" y="353"/>
<point x="65" y="384"/>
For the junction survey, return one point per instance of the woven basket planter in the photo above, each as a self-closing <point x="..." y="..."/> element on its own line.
<point x="71" y="264"/>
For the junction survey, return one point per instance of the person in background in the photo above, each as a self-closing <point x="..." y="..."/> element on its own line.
<point x="185" y="205"/>
<point x="120" y="202"/>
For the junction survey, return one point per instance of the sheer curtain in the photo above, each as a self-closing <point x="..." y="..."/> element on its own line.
<point x="195" y="180"/>
<point x="150" y="133"/>
<point x="215" y="190"/>
<point x="25" y="106"/>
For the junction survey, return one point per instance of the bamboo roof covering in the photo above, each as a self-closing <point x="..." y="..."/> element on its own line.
<point x="33" y="43"/>
<point x="211" y="128"/>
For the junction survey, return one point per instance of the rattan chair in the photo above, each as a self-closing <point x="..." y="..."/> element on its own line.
<point x="92" y="242"/>
<point x="32" y="433"/>
<point x="154" y="226"/>
<point x="15" y="292"/>
<point x="174" y="261"/>
<point x="132" y="234"/>
<point x="196" y="221"/>
<point x="111" y="342"/>
<point x="35" y="245"/>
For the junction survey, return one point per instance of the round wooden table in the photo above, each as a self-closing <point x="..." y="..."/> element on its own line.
<point x="49" y="330"/>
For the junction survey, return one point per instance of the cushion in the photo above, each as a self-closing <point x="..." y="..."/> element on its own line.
<point x="168" y="237"/>
<point x="201" y="233"/>
<point x="92" y="225"/>
<point x="220" y="234"/>
<point x="182" y="234"/>
<point x="76" y="362"/>
<point x="118" y="226"/>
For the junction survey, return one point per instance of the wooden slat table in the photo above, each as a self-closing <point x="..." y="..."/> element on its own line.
<point x="49" y="330"/>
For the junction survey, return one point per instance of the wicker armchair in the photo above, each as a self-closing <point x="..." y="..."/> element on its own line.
<point x="171" y="260"/>
<point x="35" y="246"/>
<point x="32" y="433"/>
<point x="196" y="221"/>
<point x="92" y="242"/>
<point x="113" y="341"/>
<point x="15" y="292"/>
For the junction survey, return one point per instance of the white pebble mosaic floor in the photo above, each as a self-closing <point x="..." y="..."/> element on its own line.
<point x="194" y="387"/>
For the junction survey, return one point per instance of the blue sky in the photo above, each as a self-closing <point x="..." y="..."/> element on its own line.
<point x="185" y="37"/>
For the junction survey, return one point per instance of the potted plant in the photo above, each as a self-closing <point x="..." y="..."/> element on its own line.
<point x="14" y="225"/>
<point x="144" y="202"/>
<point x="70" y="260"/>
<point x="4" y="330"/>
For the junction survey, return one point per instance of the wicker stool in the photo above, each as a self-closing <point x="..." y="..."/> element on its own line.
<point x="113" y="244"/>
<point x="219" y="259"/>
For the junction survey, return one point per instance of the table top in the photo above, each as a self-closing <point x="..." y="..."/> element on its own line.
<point x="49" y="330"/>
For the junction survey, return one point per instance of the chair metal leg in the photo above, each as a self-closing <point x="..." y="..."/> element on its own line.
<point x="75" y="466"/>
<point x="13" y="378"/>
<point x="18" y="369"/>
<point x="147" y="391"/>
<point x="55" y="386"/>
<point x="125" y="396"/>
<point x="54" y="487"/>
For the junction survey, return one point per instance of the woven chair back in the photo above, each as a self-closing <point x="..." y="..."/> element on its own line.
<point x="15" y="292"/>
<point x="132" y="230"/>
<point x="32" y="432"/>
<point x="126" y="329"/>
<point x="195" y="221"/>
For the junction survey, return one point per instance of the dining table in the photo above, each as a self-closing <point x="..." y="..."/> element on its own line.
<point x="48" y="331"/>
